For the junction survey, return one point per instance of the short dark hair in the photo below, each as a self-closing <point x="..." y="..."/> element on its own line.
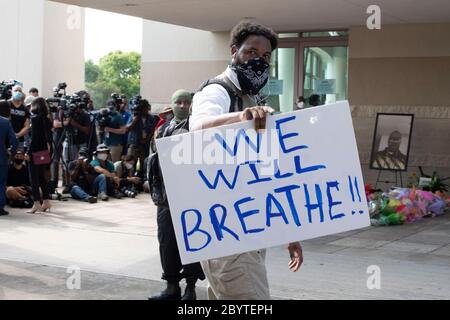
<point x="246" y="29"/>
<point x="33" y="90"/>
<point x="5" y="109"/>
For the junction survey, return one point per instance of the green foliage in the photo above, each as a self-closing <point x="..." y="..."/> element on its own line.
<point x="92" y="71"/>
<point x="116" y="72"/>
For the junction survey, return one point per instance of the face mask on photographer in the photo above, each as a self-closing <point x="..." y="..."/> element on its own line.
<point x="18" y="161"/>
<point x="252" y="75"/>
<point x="129" y="166"/>
<point x="18" y="96"/>
<point x="102" y="156"/>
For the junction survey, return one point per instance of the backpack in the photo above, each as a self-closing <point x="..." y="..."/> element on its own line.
<point x="155" y="177"/>
<point x="233" y="95"/>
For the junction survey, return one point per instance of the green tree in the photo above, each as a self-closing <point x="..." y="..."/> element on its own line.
<point x="117" y="72"/>
<point x="92" y="71"/>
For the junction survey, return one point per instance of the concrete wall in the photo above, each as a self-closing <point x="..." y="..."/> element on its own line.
<point x="403" y="69"/>
<point x="38" y="48"/>
<point x="175" y="57"/>
<point x="21" y="50"/>
<point x="63" y="59"/>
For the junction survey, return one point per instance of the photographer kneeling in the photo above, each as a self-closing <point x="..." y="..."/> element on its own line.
<point x="18" y="186"/>
<point x="130" y="184"/>
<point x="103" y="166"/>
<point x="85" y="180"/>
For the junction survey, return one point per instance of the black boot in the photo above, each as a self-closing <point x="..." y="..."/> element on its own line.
<point x="189" y="293"/>
<point x="172" y="292"/>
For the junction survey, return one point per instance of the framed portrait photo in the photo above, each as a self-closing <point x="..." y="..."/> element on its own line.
<point x="391" y="141"/>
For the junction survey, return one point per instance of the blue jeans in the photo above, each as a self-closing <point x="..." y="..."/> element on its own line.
<point x="99" y="186"/>
<point x="3" y="177"/>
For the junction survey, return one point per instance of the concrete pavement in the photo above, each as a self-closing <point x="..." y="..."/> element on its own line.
<point x="115" y="245"/>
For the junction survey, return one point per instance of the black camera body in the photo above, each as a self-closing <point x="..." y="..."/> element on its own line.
<point x="137" y="105"/>
<point x="6" y="89"/>
<point x="68" y="104"/>
<point x="117" y="100"/>
<point x="104" y="118"/>
<point x="58" y="100"/>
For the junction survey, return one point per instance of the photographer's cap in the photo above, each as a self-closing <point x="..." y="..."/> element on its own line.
<point x="29" y="100"/>
<point x="167" y="109"/>
<point x="83" y="151"/>
<point x="102" y="148"/>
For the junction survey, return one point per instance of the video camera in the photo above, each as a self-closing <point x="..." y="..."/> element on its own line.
<point x="117" y="100"/>
<point x="6" y="88"/>
<point x="104" y="117"/>
<point x="68" y="104"/>
<point x="72" y="103"/>
<point x="137" y="104"/>
<point x="58" y="101"/>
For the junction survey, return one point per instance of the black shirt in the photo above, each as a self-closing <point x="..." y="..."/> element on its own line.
<point x="84" y="179"/>
<point x="18" y="177"/>
<point x="80" y="137"/>
<point x="41" y="133"/>
<point x="18" y="117"/>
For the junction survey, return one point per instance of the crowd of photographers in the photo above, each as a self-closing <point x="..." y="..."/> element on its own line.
<point x="93" y="154"/>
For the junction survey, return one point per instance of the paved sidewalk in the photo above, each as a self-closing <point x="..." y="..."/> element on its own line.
<point x="115" y="245"/>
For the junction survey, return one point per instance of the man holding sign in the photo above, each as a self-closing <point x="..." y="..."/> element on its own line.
<point x="230" y="98"/>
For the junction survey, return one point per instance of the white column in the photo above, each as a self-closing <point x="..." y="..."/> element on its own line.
<point x="21" y="50"/>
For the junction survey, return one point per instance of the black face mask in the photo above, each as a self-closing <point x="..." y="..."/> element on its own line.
<point x="18" y="161"/>
<point x="252" y="75"/>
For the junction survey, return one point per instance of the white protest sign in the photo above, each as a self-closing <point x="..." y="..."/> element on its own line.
<point x="232" y="190"/>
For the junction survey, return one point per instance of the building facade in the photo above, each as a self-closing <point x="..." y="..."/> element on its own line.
<point x="43" y="44"/>
<point x="326" y="48"/>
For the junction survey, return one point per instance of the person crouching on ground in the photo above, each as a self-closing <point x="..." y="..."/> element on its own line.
<point x="130" y="184"/>
<point x="18" y="190"/>
<point x="85" y="181"/>
<point x="103" y="166"/>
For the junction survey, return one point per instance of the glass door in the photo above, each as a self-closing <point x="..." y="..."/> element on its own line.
<point x="310" y="66"/>
<point x="282" y="88"/>
<point x="324" y="73"/>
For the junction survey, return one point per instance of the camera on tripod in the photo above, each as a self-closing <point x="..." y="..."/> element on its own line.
<point x="6" y="88"/>
<point x="58" y="101"/>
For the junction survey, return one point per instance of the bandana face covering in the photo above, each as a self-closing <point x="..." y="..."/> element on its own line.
<point x="252" y="75"/>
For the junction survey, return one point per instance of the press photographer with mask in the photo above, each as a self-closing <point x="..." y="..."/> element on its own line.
<point x="141" y="130"/>
<point x="76" y="125"/>
<point x="115" y="130"/>
<point x="18" y="186"/>
<point x="20" y="115"/>
<point x="85" y="181"/>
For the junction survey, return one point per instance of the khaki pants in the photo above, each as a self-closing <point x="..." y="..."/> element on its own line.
<point x="238" y="277"/>
<point x="116" y="152"/>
